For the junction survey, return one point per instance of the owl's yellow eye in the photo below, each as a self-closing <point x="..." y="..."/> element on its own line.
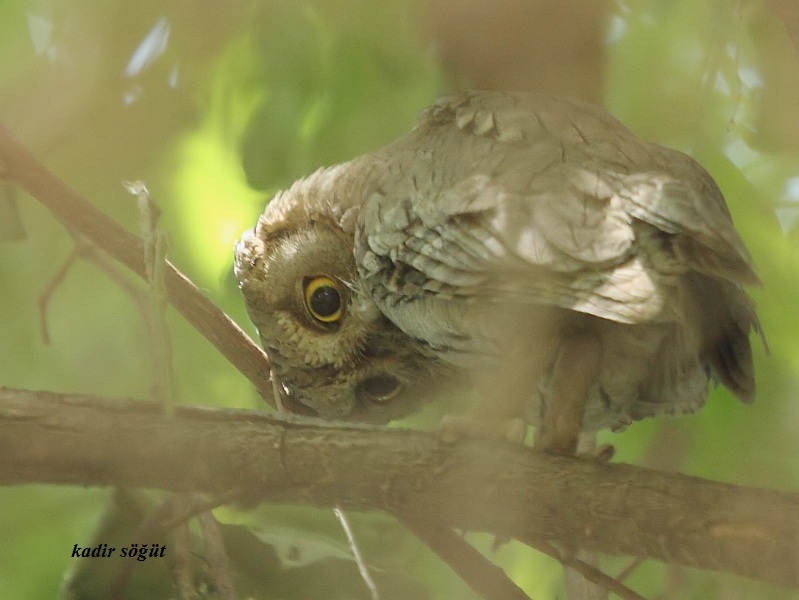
<point x="323" y="298"/>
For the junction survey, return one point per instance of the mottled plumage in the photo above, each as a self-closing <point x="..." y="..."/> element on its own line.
<point x="529" y="244"/>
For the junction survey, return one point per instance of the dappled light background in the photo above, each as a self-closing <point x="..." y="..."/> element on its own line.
<point x="216" y="106"/>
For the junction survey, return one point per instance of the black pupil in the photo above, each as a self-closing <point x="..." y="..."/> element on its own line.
<point x="325" y="301"/>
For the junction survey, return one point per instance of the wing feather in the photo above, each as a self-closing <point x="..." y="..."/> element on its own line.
<point x="536" y="199"/>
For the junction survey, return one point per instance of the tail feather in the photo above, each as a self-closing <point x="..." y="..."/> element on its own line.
<point x="726" y="318"/>
<point x="731" y="361"/>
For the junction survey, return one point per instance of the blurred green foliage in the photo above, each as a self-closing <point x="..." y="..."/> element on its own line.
<point x="216" y="106"/>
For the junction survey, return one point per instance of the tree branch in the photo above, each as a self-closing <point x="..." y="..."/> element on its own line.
<point x="475" y="485"/>
<point x="507" y="490"/>
<point x="465" y="560"/>
<point x="19" y="166"/>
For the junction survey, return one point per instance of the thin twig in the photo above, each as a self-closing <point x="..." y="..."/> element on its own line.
<point x="580" y="587"/>
<point x="480" y="574"/>
<point x="362" y="568"/>
<point x="74" y="212"/>
<point x="86" y="250"/>
<point x="52" y="286"/>
<point x="627" y="570"/>
<point x="155" y="249"/>
<point x="589" y="572"/>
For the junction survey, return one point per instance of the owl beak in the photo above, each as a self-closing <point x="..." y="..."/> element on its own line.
<point x="296" y="400"/>
<point x="284" y="402"/>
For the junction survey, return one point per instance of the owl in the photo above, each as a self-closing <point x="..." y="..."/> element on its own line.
<point x="526" y="246"/>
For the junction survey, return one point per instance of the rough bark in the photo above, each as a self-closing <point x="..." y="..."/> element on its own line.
<point x="505" y="489"/>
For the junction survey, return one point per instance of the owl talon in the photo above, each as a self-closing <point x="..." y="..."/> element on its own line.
<point x="600" y="455"/>
<point x="603" y="454"/>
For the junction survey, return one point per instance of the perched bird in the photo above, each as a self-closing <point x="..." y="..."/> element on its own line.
<point x="579" y="277"/>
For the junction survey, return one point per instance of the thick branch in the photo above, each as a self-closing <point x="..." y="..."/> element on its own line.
<point x="19" y="166"/>
<point x="505" y="489"/>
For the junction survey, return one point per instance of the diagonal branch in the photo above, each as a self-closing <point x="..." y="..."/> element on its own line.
<point x="19" y="166"/>
<point x="489" y="582"/>
<point x="475" y="485"/>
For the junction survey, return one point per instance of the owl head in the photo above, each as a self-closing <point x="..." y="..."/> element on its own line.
<point x="331" y="350"/>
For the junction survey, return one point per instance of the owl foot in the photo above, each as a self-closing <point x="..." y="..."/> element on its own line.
<point x="603" y="453"/>
<point x="457" y="427"/>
